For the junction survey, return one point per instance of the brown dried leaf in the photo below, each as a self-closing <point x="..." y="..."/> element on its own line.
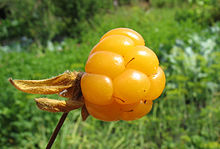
<point x="74" y="92"/>
<point x="54" y="105"/>
<point x="47" y="86"/>
<point x="67" y="93"/>
<point x="84" y="113"/>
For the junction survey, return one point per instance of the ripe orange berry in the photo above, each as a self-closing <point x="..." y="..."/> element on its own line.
<point x="138" y="111"/>
<point x="120" y="74"/>
<point x="110" y="112"/>
<point x="157" y="82"/>
<point x="115" y="43"/>
<point x="143" y="59"/>
<point x="130" y="86"/>
<point x="136" y="37"/>
<point x="126" y="107"/>
<point x="105" y="63"/>
<point x="97" y="89"/>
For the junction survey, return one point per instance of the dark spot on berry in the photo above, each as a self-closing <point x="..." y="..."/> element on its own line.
<point x="119" y="99"/>
<point x="129" y="61"/>
<point x="145" y="101"/>
<point x="130" y="110"/>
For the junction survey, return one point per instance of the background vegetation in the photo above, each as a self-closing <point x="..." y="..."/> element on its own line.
<point x="48" y="37"/>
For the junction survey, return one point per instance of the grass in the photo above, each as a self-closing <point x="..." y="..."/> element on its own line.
<point x="157" y="26"/>
<point x="173" y="123"/>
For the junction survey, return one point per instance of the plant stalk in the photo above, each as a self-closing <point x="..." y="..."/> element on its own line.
<point x="56" y="130"/>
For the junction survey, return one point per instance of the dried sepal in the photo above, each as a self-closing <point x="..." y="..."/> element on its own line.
<point x="66" y="85"/>
<point x="67" y="93"/>
<point x="84" y="112"/>
<point x="74" y="92"/>
<point x="54" y="105"/>
<point x="47" y="86"/>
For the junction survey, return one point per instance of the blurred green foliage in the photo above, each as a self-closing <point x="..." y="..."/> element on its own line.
<point x="44" y="20"/>
<point x="167" y="3"/>
<point x="186" y="116"/>
<point x="205" y="12"/>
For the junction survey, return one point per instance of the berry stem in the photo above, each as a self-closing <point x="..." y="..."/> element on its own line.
<point x="56" y="130"/>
